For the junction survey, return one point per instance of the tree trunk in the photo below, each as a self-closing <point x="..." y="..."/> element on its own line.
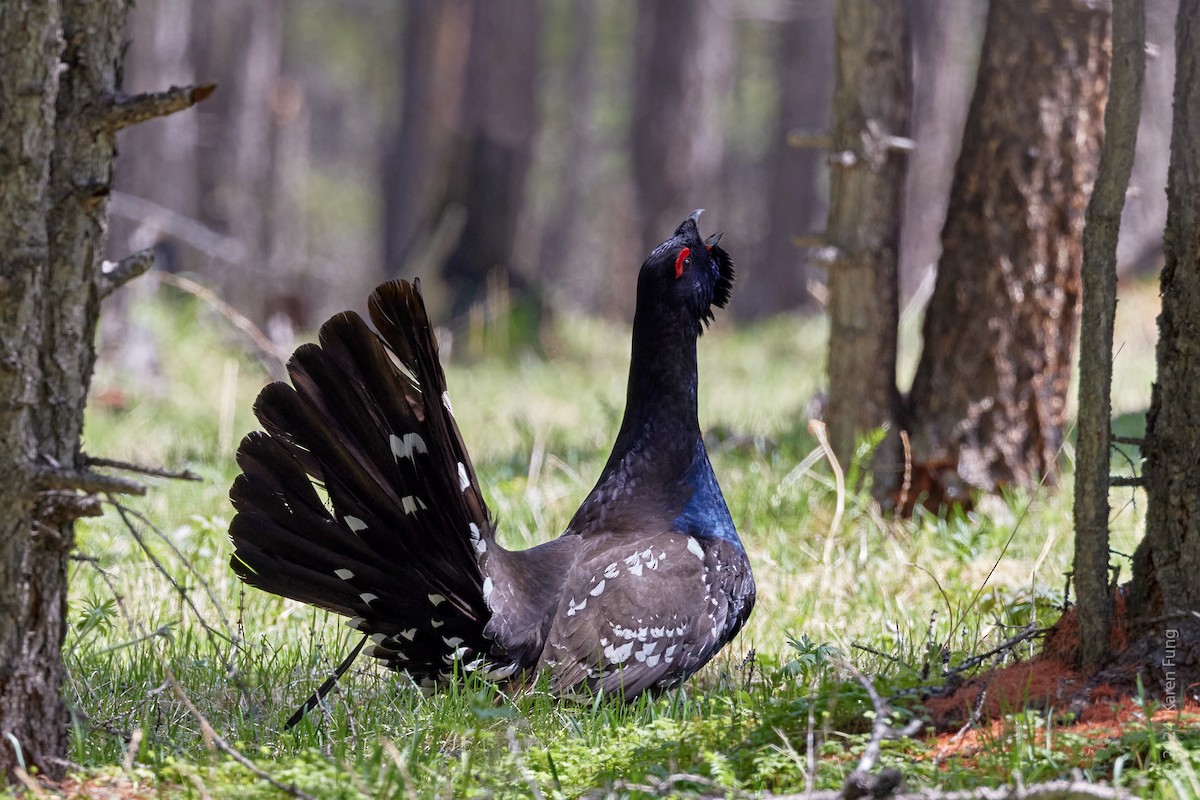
<point x="989" y="399"/>
<point x="684" y="63"/>
<point x="30" y="630"/>
<point x="57" y="142"/>
<point x="1165" y="595"/>
<point x="494" y="145"/>
<point x="1092" y="457"/>
<point x="415" y="169"/>
<point x="870" y="107"/>
<point x="795" y="198"/>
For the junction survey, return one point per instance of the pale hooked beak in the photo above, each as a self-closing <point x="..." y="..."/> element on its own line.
<point x="695" y="215"/>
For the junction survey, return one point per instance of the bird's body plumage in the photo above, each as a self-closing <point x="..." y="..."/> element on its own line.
<point x="647" y="582"/>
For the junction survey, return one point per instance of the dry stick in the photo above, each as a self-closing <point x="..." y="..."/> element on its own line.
<point x="142" y="469"/>
<point x="113" y="277"/>
<point x="210" y="735"/>
<point x="906" y="484"/>
<point x="880" y="730"/>
<point x="275" y="357"/>
<point x="817" y="429"/>
<point x="212" y="634"/>
<point x="187" y="565"/>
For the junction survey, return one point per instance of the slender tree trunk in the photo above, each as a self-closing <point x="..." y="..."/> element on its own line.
<point x="1092" y="457"/>
<point x="416" y="161"/>
<point x="494" y="146"/>
<point x="795" y="201"/>
<point x="1165" y="595"/>
<point x="870" y="107"/>
<point x="989" y="399"/>
<point x="684" y="57"/>
<point x="58" y="85"/>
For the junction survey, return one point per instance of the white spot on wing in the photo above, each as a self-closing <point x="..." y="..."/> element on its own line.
<point x="411" y="504"/>
<point x="344" y="574"/>
<point x="409" y="634"/>
<point x="618" y="655"/>
<point x="611" y="570"/>
<point x="406" y="447"/>
<point x="464" y="482"/>
<point x="597" y="589"/>
<point x="694" y="547"/>
<point x="355" y="622"/>
<point x="487" y="588"/>
<point x="436" y="623"/>
<point x="437" y="599"/>
<point x="446" y="402"/>
<point x="573" y="606"/>
<point x="452" y="641"/>
<point x="354" y="523"/>
<point x="368" y="598"/>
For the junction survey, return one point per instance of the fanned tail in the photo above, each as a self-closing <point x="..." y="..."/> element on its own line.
<point x="360" y="498"/>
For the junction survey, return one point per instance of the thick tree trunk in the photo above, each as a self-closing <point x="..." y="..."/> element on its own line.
<point x="30" y="631"/>
<point x="870" y="108"/>
<point x="1092" y="457"/>
<point x="1165" y="596"/>
<point x="52" y="254"/>
<point x="684" y="51"/>
<point x="988" y="402"/>
<point x="58" y="85"/>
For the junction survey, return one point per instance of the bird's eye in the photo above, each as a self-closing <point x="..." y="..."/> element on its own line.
<point x="682" y="261"/>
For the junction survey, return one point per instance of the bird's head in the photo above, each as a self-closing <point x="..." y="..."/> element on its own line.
<point x="687" y="273"/>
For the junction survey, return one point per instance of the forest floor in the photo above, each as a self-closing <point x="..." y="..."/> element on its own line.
<point x="860" y="626"/>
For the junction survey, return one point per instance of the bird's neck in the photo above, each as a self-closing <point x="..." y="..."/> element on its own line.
<point x="660" y="402"/>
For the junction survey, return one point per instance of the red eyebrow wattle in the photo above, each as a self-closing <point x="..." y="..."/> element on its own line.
<point x="683" y="255"/>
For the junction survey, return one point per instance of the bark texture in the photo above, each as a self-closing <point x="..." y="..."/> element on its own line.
<point x="59" y="64"/>
<point x="30" y="632"/>
<point x="988" y="403"/>
<point x="1092" y="458"/>
<point x="1165" y="596"/>
<point x="870" y="107"/>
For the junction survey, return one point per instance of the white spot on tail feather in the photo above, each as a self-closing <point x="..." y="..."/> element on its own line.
<point x="437" y="599"/>
<point x="355" y="622"/>
<point x="436" y="623"/>
<point x="368" y="598"/>
<point x="464" y="482"/>
<point x="344" y="574"/>
<point x="488" y="586"/>
<point x="412" y="504"/>
<point x="408" y="446"/>
<point x="500" y="673"/>
<point x="446" y="402"/>
<point x="354" y="523"/>
<point x="477" y="540"/>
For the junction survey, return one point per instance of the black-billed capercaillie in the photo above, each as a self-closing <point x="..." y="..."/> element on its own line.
<point x="359" y="497"/>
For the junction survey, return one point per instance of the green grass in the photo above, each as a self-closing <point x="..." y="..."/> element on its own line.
<point x="539" y="430"/>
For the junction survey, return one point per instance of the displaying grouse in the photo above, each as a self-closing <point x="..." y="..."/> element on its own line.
<point x="360" y="498"/>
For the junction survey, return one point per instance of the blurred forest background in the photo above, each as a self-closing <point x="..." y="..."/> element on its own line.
<point x="532" y="148"/>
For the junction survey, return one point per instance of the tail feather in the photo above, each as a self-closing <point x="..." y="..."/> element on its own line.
<point x="360" y="497"/>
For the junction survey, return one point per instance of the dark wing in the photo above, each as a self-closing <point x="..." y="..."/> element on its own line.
<point x="646" y="612"/>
